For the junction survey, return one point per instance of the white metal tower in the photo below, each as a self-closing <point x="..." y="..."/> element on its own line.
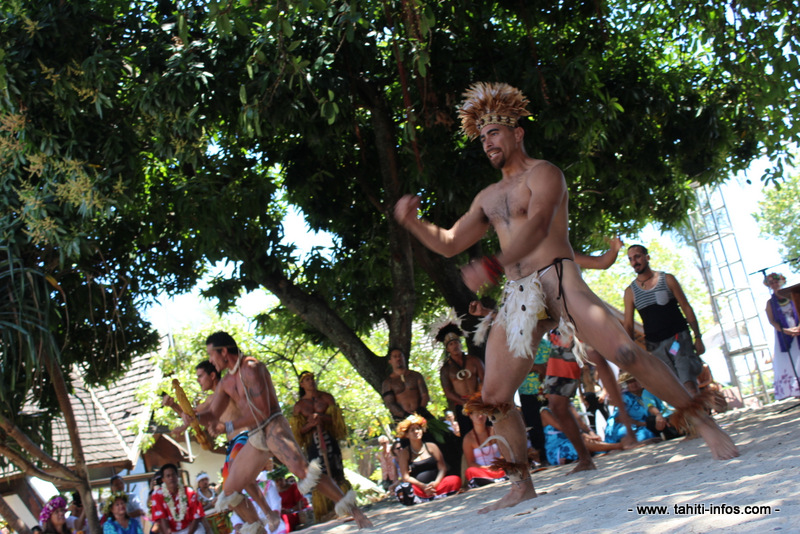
<point x="744" y="343"/>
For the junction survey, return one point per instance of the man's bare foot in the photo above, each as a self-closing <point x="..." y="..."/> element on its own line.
<point x="720" y="443"/>
<point x="361" y="520"/>
<point x="583" y="465"/>
<point x="520" y="491"/>
<point x="273" y="520"/>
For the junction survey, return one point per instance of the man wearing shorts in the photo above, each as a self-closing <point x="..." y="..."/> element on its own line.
<point x="560" y="385"/>
<point x="659" y="299"/>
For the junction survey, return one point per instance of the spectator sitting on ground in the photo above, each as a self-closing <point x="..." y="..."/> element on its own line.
<point x="480" y="455"/>
<point x="658" y="412"/>
<point x="292" y="502"/>
<point x="53" y="516"/>
<point x="636" y="403"/>
<point x="388" y="466"/>
<point x="118" y="521"/>
<point x="422" y="466"/>
<point x="705" y="382"/>
<point x="560" y="450"/>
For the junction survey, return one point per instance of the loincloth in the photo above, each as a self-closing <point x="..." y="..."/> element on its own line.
<point x="523" y="306"/>
<point x="258" y="436"/>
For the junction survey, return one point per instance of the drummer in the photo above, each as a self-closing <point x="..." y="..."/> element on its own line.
<point x="206" y="494"/>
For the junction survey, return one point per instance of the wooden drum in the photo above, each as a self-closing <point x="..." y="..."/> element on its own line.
<point x="219" y="523"/>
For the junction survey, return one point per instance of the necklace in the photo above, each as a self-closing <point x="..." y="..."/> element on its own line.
<point x="642" y="282"/>
<point x="178" y="514"/>
<point x="463" y="373"/>
<point x="416" y="453"/>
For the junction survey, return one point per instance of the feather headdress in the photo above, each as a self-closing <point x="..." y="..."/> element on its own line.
<point x="449" y="323"/>
<point x="491" y="103"/>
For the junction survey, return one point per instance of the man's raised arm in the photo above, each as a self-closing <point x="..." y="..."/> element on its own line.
<point x="465" y="232"/>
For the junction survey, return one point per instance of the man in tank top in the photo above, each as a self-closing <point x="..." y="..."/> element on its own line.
<point x="666" y="316"/>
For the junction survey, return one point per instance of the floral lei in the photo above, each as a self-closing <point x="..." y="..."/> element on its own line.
<point x="183" y="504"/>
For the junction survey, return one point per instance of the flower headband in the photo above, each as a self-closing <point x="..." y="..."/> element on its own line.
<point x="52" y="505"/>
<point x="413" y="419"/>
<point x="112" y="499"/>
<point x="304" y="374"/>
<point x="775" y="276"/>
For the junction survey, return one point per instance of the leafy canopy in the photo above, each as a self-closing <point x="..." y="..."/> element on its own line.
<point x="142" y="141"/>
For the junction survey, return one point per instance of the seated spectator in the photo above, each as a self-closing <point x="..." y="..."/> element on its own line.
<point x="480" y="455"/>
<point x="422" y="466"/>
<point x="636" y="400"/>
<point x="206" y="494"/>
<point x="53" y="516"/>
<point x="705" y="382"/>
<point x="293" y="504"/>
<point x="388" y="466"/>
<point x="658" y="413"/>
<point x="118" y="521"/>
<point x="560" y="450"/>
<point x="269" y="489"/>
<point x="175" y="507"/>
<point x="36" y="529"/>
<point x="135" y="508"/>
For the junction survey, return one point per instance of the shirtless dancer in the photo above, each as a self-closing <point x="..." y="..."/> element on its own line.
<point x="461" y="374"/>
<point x="317" y="425"/>
<point x="208" y="379"/>
<point x="404" y="391"/>
<point x="248" y="385"/>
<point x="528" y="208"/>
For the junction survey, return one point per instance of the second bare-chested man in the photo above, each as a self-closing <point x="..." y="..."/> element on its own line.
<point x="461" y="374"/>
<point x="404" y="391"/>
<point x="248" y="384"/>
<point x="528" y="209"/>
<point x="208" y="377"/>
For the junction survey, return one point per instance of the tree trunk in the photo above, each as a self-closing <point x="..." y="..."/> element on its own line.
<point x="401" y="263"/>
<point x="318" y="314"/>
<point x="81" y="471"/>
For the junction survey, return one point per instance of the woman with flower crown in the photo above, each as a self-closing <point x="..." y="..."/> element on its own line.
<point x="119" y="522"/>
<point x="782" y="315"/>
<point x="424" y="472"/>
<point x="176" y="508"/>
<point x="53" y="516"/>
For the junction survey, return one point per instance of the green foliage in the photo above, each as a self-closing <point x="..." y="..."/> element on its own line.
<point x="274" y="343"/>
<point x="143" y="141"/>
<point x="777" y="217"/>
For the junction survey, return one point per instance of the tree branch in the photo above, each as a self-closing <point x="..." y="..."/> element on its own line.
<point x="31" y="448"/>
<point x="29" y="469"/>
